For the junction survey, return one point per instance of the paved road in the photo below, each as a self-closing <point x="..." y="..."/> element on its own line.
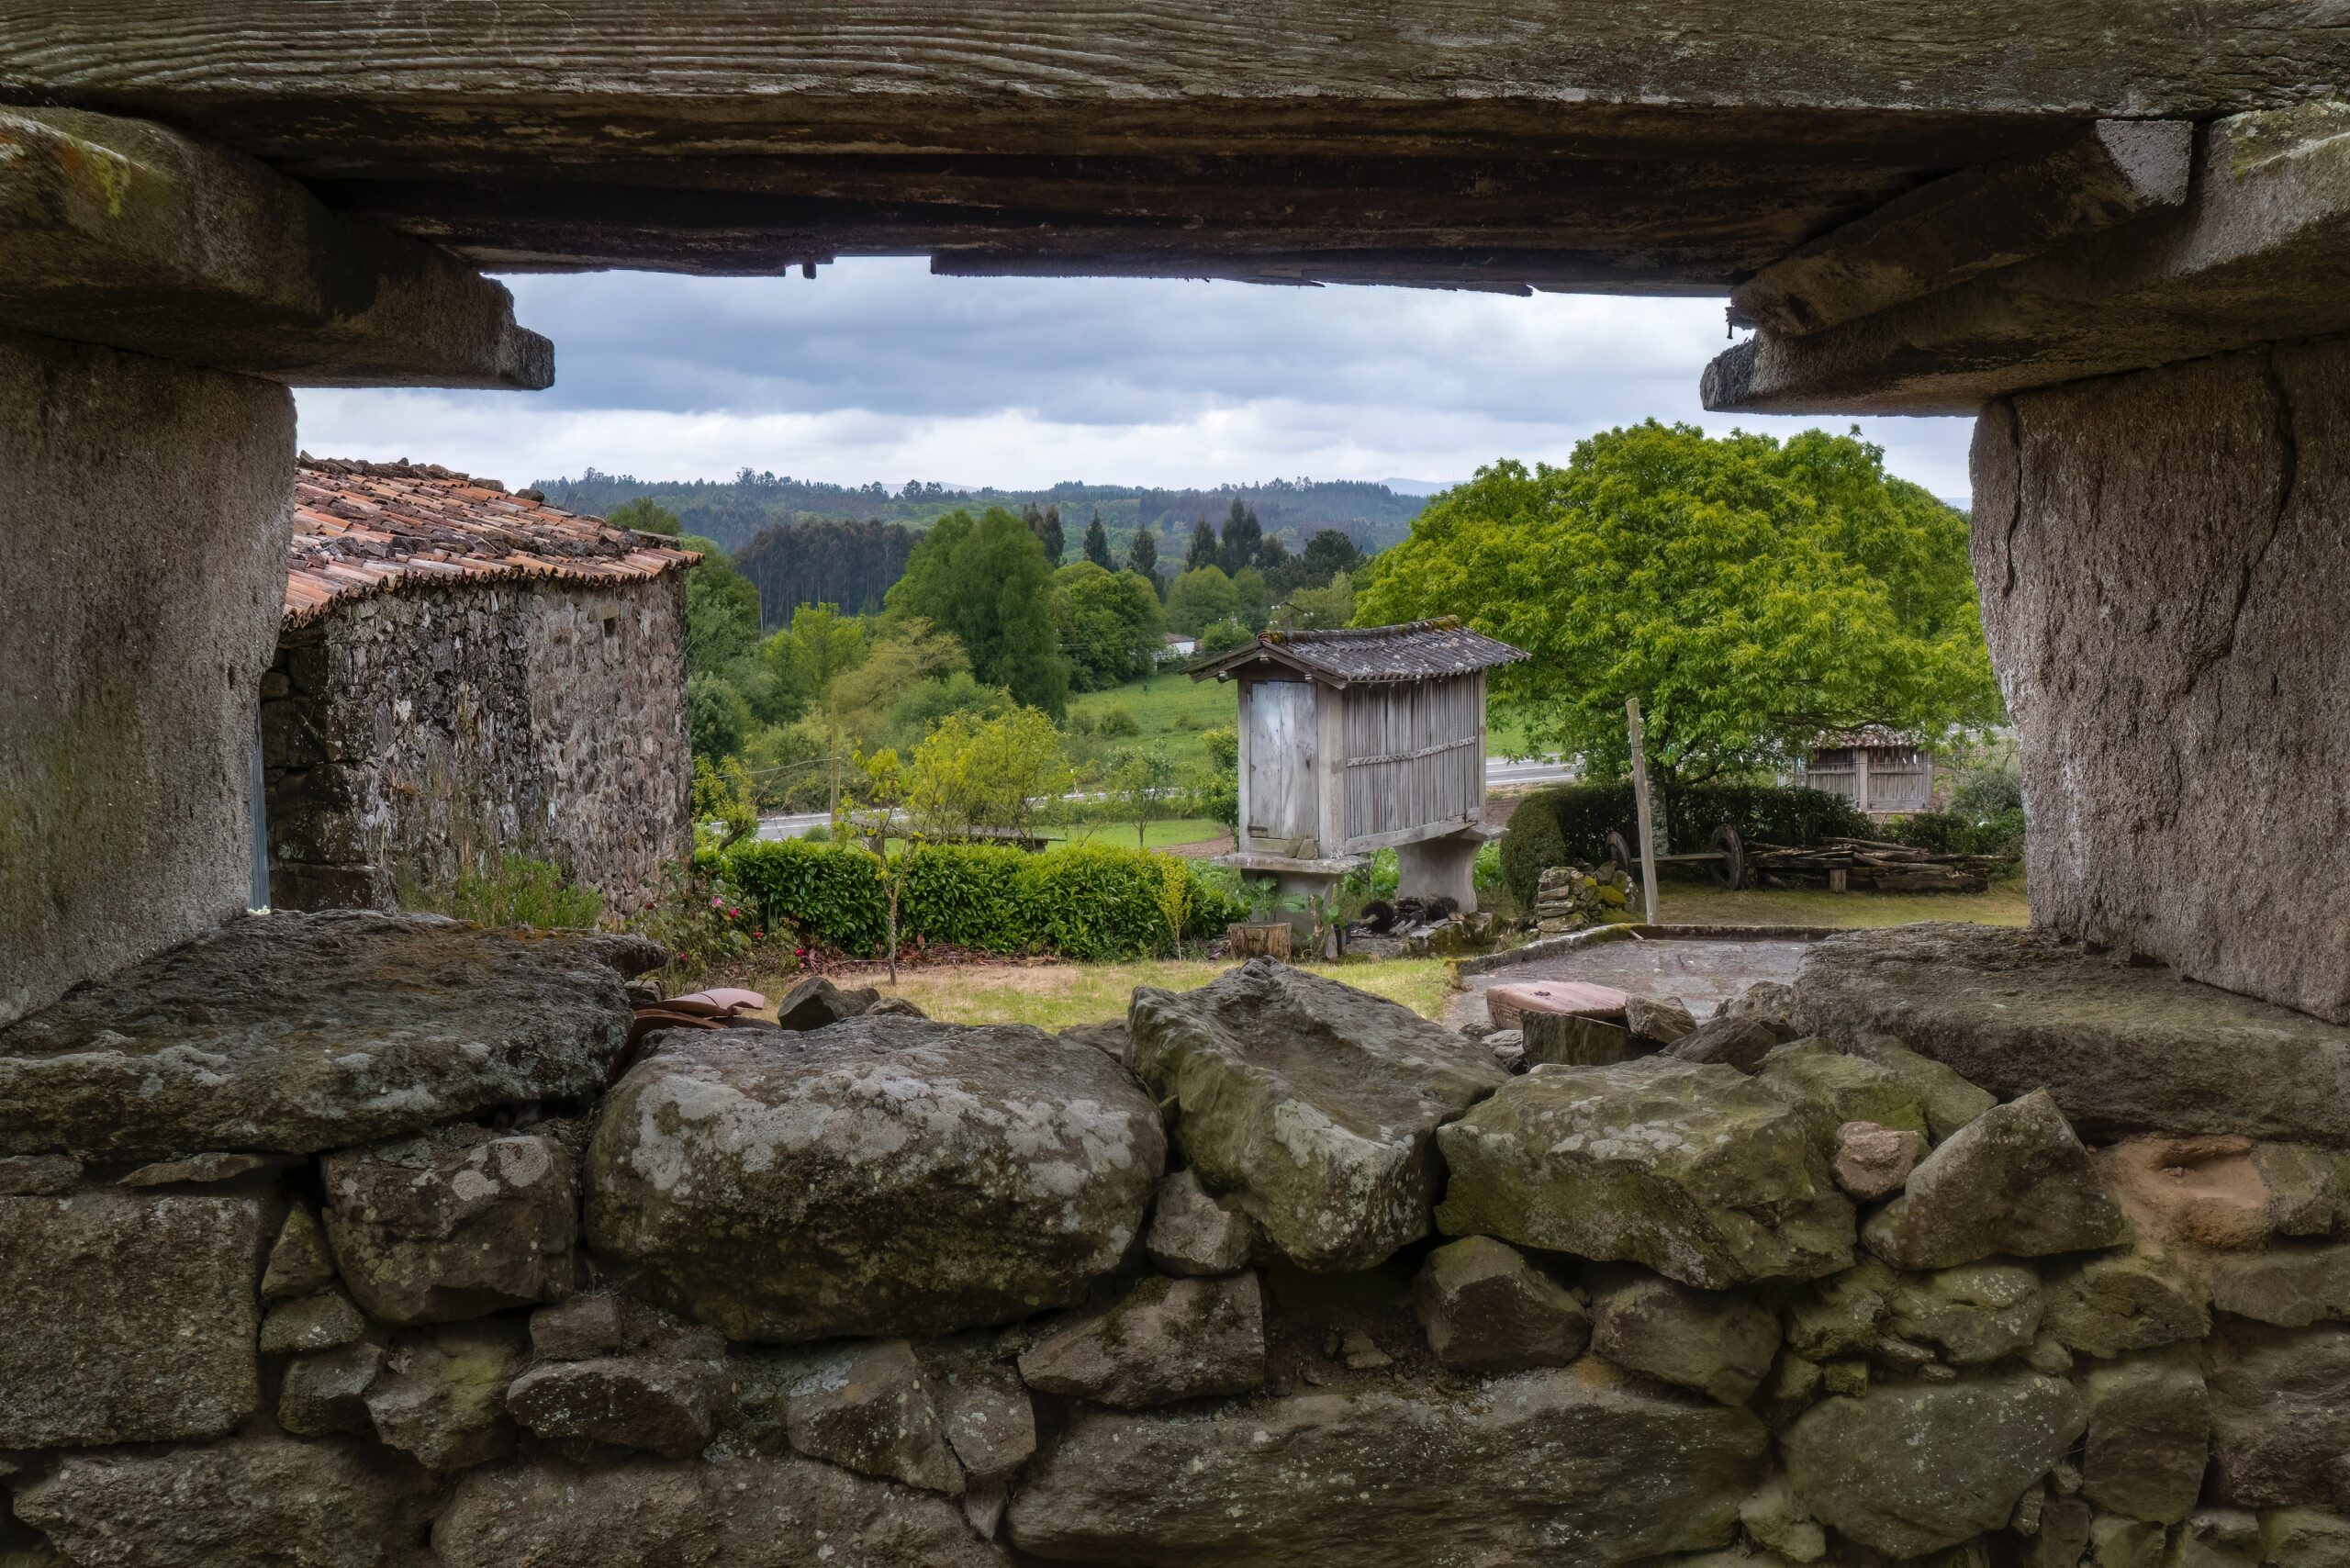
<point x="1499" y="774"/>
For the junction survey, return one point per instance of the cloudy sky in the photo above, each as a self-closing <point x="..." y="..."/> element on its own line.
<point x="877" y="370"/>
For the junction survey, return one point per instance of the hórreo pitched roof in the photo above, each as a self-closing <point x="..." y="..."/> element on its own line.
<point x="1416" y="650"/>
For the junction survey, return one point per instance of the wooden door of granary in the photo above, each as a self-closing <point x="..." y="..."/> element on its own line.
<point x="1280" y="750"/>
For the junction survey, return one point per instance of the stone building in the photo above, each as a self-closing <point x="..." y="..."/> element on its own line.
<point x="463" y="673"/>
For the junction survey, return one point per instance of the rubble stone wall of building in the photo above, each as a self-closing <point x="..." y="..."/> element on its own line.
<point x="142" y="559"/>
<point x="1268" y="1273"/>
<point x="412" y="736"/>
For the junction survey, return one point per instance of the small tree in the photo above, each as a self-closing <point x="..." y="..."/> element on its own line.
<point x="872" y="822"/>
<point x="1205" y="551"/>
<point x="1174" y="898"/>
<point x="1143" y="787"/>
<point x="995" y="773"/>
<point x="1097" y="544"/>
<point x="1142" y="556"/>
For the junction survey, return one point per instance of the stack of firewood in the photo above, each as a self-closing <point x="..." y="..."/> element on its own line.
<point x="1866" y="863"/>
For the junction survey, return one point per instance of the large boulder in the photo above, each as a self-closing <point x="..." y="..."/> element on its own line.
<point x="870" y="1405"/>
<point x="255" y="1502"/>
<point x="1311" y="1105"/>
<point x="452" y="1223"/>
<point x="295" y="1033"/>
<point x="2012" y="1181"/>
<point x="742" y="1512"/>
<point x="2121" y="1049"/>
<point x="1696" y="1172"/>
<point x="1718" y="1342"/>
<point x="2118" y="1301"/>
<point x="1576" y="1464"/>
<point x="882" y="1176"/>
<point x="1192" y="1233"/>
<point x="2149" y="1436"/>
<point x="1165" y="1341"/>
<point x="1486" y="1308"/>
<point x="126" y="1318"/>
<point x="2280" y="1414"/>
<point x="1913" y="1468"/>
<point x="441" y="1395"/>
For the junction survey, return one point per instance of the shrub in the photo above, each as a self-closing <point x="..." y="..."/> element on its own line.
<point x="1568" y="824"/>
<point x="1093" y="901"/>
<point x="707" y="925"/>
<point x="1086" y="902"/>
<point x="1955" y="833"/>
<point x="828" y="894"/>
<point x="966" y="895"/>
<point x="518" y="891"/>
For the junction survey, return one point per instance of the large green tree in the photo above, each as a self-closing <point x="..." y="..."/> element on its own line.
<point x="1754" y="596"/>
<point x="983" y="580"/>
<point x="1110" y="623"/>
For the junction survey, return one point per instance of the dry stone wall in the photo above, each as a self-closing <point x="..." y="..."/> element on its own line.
<point x="1274" y="1273"/>
<point x="408" y="737"/>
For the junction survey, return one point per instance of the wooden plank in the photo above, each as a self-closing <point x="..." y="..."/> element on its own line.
<point x="1647" y="846"/>
<point x="2260" y="252"/>
<point x="1674" y="145"/>
<point x="1973" y="222"/>
<point x="431" y="74"/>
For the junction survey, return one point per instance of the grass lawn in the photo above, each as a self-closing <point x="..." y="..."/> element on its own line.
<point x="1159" y="702"/>
<point x="1689" y="903"/>
<point x="1162" y="834"/>
<point x="1054" y="996"/>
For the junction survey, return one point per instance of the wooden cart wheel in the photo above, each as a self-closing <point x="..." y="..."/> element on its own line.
<point x="1619" y="849"/>
<point x="1731" y="869"/>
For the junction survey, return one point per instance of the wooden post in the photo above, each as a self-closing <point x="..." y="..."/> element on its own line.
<point x="1640" y="799"/>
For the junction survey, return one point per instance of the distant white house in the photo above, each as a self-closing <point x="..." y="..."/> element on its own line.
<point x="1179" y="647"/>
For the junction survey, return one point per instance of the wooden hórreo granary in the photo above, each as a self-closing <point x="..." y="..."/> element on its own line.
<point x="1362" y="740"/>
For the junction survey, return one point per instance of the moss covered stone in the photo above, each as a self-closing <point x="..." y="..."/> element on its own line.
<point x="1310" y="1106"/>
<point x="1696" y="1171"/>
<point x="1913" y="1468"/>
<point x="882" y="1176"/>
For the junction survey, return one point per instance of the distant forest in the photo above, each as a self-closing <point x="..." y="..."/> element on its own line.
<point x="732" y="512"/>
<point x="822" y="560"/>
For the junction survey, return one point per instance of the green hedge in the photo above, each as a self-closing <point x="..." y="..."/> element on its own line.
<point x="1567" y="823"/>
<point x="1954" y="833"/>
<point x="1084" y="901"/>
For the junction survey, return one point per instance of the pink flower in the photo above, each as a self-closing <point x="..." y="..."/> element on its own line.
<point x="717" y="903"/>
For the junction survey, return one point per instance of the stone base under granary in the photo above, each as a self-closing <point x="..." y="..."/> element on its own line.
<point x="2164" y="564"/>
<point x="369" y="1240"/>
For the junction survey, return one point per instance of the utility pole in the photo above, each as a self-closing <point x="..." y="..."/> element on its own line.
<point x="1640" y="799"/>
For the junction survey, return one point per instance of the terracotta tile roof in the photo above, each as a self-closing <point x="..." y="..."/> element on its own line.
<point x="369" y="528"/>
<point x="1414" y="651"/>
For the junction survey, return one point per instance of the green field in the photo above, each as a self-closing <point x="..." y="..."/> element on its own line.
<point x="1162" y="704"/>
<point x="1162" y="835"/>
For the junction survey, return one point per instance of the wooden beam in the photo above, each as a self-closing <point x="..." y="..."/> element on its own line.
<point x="1728" y="123"/>
<point x="1583" y="222"/>
<point x="1973" y="222"/>
<point x="2260" y="252"/>
<point x="129" y="235"/>
<point x="550" y="80"/>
